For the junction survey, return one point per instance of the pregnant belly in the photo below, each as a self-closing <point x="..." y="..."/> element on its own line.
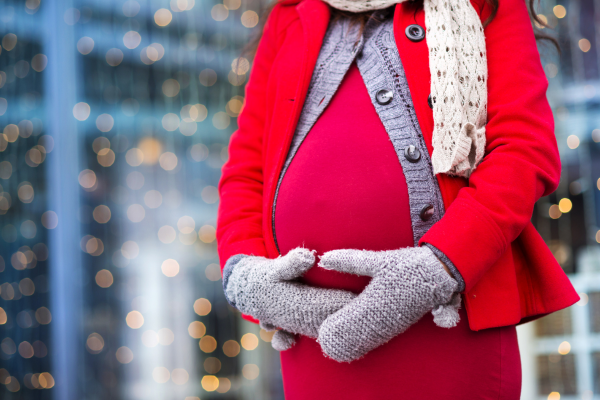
<point x="344" y="188"/>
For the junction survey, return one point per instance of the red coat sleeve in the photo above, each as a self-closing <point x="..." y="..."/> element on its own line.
<point x="521" y="163"/>
<point x="239" y="220"/>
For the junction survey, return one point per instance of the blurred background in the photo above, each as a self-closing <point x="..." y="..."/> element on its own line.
<point x="114" y="122"/>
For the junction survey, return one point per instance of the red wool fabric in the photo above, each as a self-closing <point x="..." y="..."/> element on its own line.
<point x="510" y="274"/>
<point x="327" y="201"/>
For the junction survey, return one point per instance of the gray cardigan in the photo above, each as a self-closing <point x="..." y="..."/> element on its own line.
<point x="378" y="61"/>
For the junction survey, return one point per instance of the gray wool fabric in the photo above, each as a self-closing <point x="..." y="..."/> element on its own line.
<point x="378" y="61"/>
<point x="266" y="290"/>
<point x="406" y="284"/>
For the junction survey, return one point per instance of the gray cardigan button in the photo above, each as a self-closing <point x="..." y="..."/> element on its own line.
<point x="384" y="96"/>
<point x="415" y="33"/>
<point x="426" y="212"/>
<point x="412" y="154"/>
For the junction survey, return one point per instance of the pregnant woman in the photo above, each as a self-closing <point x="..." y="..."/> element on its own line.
<point x="375" y="209"/>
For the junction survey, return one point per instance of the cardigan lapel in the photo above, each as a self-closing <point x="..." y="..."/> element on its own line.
<point x="415" y="60"/>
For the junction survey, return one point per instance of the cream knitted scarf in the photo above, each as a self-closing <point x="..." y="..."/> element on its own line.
<point x="458" y="66"/>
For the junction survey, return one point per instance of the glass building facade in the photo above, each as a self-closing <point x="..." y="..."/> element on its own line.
<point x="114" y="122"/>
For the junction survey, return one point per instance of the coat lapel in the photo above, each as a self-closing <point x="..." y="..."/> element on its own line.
<point x="314" y="18"/>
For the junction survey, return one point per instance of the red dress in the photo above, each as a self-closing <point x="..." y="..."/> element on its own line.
<point x="345" y="189"/>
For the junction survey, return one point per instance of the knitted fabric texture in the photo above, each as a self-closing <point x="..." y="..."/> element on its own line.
<point x="265" y="289"/>
<point x="458" y="66"/>
<point x="406" y="284"/>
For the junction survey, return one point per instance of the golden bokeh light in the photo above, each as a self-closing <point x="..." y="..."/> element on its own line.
<point x="26" y="287"/>
<point x="150" y="338"/>
<point x="168" y="161"/>
<point x="124" y="355"/>
<point x="49" y="220"/>
<point x="231" y="348"/>
<point x="213" y="272"/>
<point x="207" y="233"/>
<point x="249" y="341"/>
<point x="134" y="157"/>
<point x="87" y="178"/>
<point x="39" y="62"/>
<point x="210" y="194"/>
<point x="564" y="348"/>
<point x="104" y="123"/>
<point x="26" y="350"/>
<point x="151" y="150"/>
<point x="240" y="65"/>
<point x="560" y="11"/>
<point x="584" y="45"/>
<point x="104" y="278"/>
<point x="95" y="343"/>
<point x="221" y="120"/>
<point x="132" y="39"/>
<point x="130" y="250"/>
<point x="171" y="87"/>
<point x="170" y="122"/>
<point x="170" y="267"/>
<point x="25" y="192"/>
<point x="85" y="45"/>
<point x="234" y="106"/>
<point x="554" y="211"/>
<point x="186" y="224"/>
<point x="114" y="57"/>
<point x="167" y="234"/>
<point x="554" y="395"/>
<point x="46" y="380"/>
<point x="219" y="12"/>
<point x="224" y="385"/>
<point x="163" y="17"/>
<point x="161" y="375"/>
<point x="249" y="19"/>
<point x="208" y="344"/>
<point x="165" y="336"/>
<point x="212" y="365"/>
<point x="232" y="4"/>
<point x="207" y="77"/>
<point x="136" y="213"/>
<point x="267" y="336"/>
<point x="250" y="371"/>
<point x="179" y="376"/>
<point x="202" y="307"/>
<point x="101" y="214"/>
<point x="210" y="383"/>
<point x="153" y="199"/>
<point x="106" y="157"/>
<point x="81" y="111"/>
<point x="11" y="133"/>
<point x="196" y="329"/>
<point x="134" y="320"/>
<point x="43" y="316"/>
<point x="565" y="205"/>
<point x="4" y="317"/>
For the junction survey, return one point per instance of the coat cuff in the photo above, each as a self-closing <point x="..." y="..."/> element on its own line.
<point x="443" y="258"/>
<point x="469" y="237"/>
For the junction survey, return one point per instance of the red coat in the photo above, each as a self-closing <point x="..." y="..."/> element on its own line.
<point x="510" y="274"/>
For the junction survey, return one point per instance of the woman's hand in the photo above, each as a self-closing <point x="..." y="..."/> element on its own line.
<point x="265" y="289"/>
<point x="406" y="284"/>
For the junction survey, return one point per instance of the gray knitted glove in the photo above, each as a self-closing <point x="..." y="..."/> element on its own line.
<point x="265" y="289"/>
<point x="406" y="284"/>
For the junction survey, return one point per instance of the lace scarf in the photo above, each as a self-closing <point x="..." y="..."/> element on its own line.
<point x="458" y="66"/>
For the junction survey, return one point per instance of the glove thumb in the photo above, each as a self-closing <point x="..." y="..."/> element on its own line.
<point x="446" y="315"/>
<point x="283" y="340"/>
